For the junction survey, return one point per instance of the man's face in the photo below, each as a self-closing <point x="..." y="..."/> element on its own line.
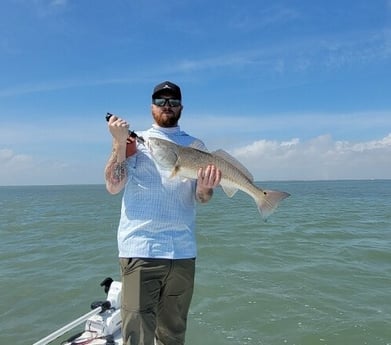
<point x="166" y="115"/>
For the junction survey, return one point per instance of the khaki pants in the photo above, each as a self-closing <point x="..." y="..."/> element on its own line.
<point x="156" y="296"/>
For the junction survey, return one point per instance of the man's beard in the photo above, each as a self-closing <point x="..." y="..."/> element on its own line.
<point x="169" y="121"/>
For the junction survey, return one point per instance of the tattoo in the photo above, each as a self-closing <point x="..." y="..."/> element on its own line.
<point x="119" y="172"/>
<point x="115" y="172"/>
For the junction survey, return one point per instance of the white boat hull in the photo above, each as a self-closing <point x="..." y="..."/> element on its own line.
<point x="102" y="325"/>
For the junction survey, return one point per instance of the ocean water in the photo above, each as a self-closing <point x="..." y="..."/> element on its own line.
<point x="318" y="272"/>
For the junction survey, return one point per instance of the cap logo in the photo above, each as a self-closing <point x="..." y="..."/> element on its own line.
<point x="167" y="86"/>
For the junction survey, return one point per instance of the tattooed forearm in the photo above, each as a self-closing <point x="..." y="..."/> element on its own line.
<point x="115" y="174"/>
<point x="119" y="171"/>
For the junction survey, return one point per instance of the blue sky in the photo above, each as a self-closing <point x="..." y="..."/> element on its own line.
<point x="293" y="89"/>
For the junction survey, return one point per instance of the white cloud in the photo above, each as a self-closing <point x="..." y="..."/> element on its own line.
<point x="298" y="56"/>
<point x="10" y="160"/>
<point x="329" y="52"/>
<point x="21" y="169"/>
<point x="48" y="86"/>
<point x="318" y="158"/>
<point x="248" y="19"/>
<point x="227" y="131"/>
<point x="13" y="165"/>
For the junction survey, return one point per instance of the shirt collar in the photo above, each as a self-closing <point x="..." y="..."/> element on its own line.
<point x="167" y="130"/>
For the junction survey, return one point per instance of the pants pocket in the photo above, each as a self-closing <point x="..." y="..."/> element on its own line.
<point x="126" y="265"/>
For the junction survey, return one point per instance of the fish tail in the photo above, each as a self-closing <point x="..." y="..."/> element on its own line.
<point x="268" y="201"/>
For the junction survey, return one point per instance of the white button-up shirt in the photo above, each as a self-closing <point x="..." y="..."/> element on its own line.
<point x="158" y="211"/>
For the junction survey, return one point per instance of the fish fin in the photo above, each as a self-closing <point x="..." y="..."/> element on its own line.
<point x="269" y="201"/>
<point x="230" y="191"/>
<point x="232" y="160"/>
<point x="175" y="171"/>
<point x="198" y="145"/>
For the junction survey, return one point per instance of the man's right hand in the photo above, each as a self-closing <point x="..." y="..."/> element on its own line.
<point x="119" y="129"/>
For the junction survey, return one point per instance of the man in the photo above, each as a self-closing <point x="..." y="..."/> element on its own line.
<point x="156" y="235"/>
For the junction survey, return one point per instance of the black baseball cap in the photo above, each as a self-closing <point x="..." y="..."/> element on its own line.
<point x="167" y="87"/>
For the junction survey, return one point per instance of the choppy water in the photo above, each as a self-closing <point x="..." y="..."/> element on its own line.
<point x="318" y="272"/>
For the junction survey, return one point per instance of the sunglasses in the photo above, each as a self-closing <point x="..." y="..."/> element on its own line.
<point x="162" y="102"/>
